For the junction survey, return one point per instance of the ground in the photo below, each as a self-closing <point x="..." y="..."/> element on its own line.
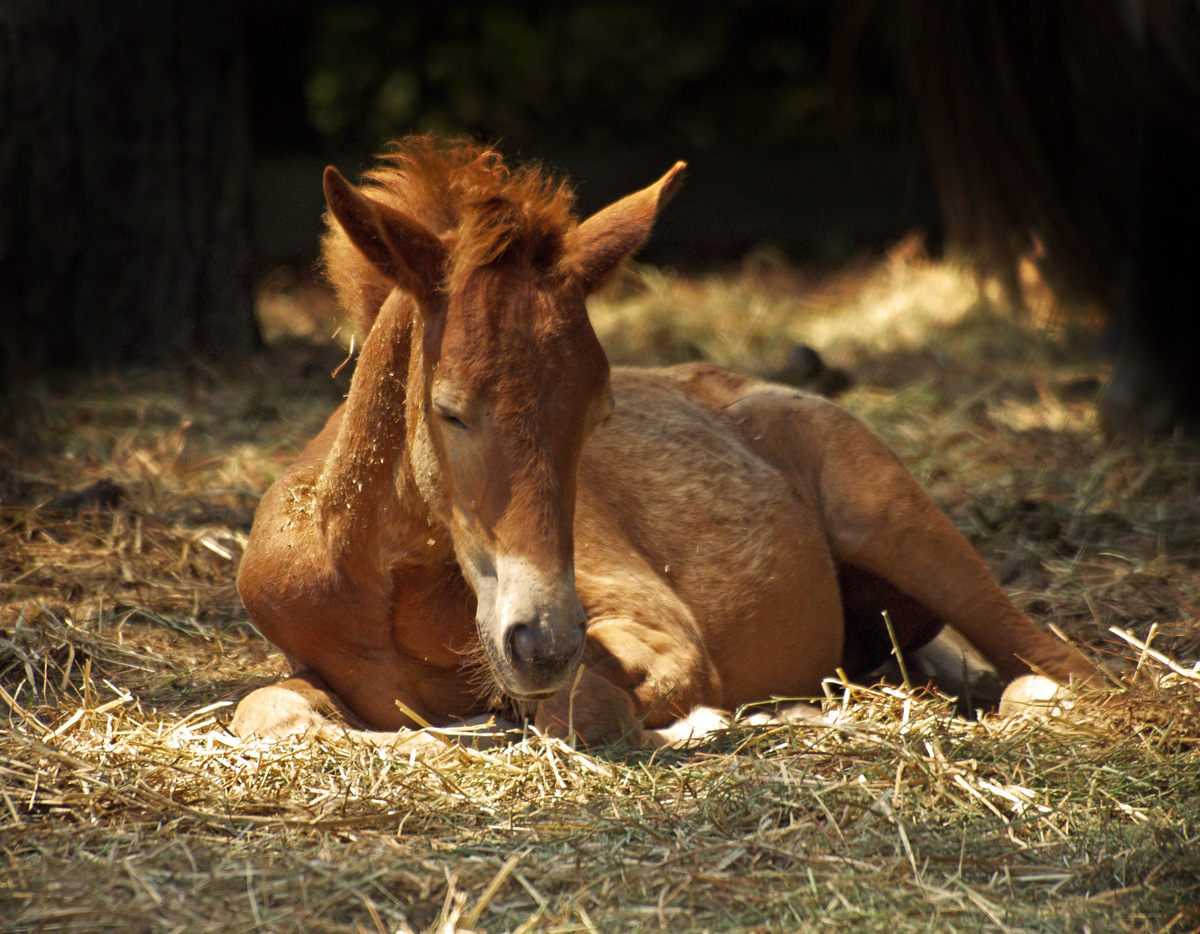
<point x="126" y="805"/>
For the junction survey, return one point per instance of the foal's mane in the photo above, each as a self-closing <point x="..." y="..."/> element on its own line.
<point x="482" y="210"/>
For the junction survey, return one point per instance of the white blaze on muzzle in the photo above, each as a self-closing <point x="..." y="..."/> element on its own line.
<point x="531" y="624"/>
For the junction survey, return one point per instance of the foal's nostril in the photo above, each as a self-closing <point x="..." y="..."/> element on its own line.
<point x="574" y="640"/>
<point x="521" y="644"/>
<point x="530" y="647"/>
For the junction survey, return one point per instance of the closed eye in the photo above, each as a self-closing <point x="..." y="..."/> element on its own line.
<point x="449" y="418"/>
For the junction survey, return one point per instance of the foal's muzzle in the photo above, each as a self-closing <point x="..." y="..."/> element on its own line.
<point x="534" y="630"/>
<point x="542" y="653"/>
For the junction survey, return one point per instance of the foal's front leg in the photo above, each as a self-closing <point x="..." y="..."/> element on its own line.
<point x="639" y="678"/>
<point x="597" y="713"/>
<point x="301" y="704"/>
<point x="593" y="710"/>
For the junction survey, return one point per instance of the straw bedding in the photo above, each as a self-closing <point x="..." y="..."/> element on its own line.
<point x="126" y="805"/>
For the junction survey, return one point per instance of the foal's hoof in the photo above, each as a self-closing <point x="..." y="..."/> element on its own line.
<point x="1035" y="696"/>
<point x="274" y="712"/>
<point x="695" y="728"/>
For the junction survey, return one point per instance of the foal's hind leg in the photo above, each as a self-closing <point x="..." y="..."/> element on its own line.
<point x="878" y="520"/>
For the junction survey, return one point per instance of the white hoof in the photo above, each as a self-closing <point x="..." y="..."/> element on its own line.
<point x="695" y="727"/>
<point x="1034" y="696"/>
<point x="275" y="712"/>
<point x="787" y="712"/>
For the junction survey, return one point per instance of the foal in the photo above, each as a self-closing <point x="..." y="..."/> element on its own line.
<point x="493" y="516"/>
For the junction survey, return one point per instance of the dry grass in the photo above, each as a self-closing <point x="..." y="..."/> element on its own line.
<point x="126" y="806"/>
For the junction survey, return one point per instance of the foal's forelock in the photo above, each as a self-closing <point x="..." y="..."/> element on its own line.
<point x="524" y="343"/>
<point x="514" y="324"/>
<point x="483" y="211"/>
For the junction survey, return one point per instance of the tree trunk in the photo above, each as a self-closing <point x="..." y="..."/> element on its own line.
<point x="124" y="180"/>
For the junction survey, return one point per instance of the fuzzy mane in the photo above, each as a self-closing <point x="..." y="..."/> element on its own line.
<point x="483" y="211"/>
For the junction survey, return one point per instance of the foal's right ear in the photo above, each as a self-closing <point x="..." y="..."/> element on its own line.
<point x="404" y="250"/>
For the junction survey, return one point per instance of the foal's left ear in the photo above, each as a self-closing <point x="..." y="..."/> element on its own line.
<point x="608" y="236"/>
<point x="400" y="247"/>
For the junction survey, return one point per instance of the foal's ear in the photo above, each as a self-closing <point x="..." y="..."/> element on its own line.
<point x="404" y="250"/>
<point x="608" y="236"/>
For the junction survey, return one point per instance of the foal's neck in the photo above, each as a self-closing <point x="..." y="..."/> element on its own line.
<point x="368" y="505"/>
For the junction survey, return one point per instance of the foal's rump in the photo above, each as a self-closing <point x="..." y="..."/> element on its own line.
<point x="797" y="457"/>
<point x="890" y="541"/>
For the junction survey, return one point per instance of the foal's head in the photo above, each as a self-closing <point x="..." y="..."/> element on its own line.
<point x="512" y="379"/>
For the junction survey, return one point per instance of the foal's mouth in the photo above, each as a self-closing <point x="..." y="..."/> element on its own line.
<point x="484" y="676"/>
<point x="535" y="694"/>
<point x="529" y="698"/>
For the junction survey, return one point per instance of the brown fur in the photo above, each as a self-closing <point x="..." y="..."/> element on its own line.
<point x="465" y="195"/>
<point x="488" y="485"/>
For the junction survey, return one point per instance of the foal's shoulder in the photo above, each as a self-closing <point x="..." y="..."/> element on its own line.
<point x="301" y="474"/>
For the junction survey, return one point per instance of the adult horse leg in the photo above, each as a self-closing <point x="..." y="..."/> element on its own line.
<point x="881" y="525"/>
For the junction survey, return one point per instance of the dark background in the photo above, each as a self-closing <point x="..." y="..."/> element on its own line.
<point x="154" y="163"/>
<point x="157" y="156"/>
<point x="611" y="94"/>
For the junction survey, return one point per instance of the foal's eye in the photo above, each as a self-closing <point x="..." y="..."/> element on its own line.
<point x="450" y="419"/>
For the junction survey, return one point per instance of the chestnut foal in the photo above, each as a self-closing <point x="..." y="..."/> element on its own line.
<point x="493" y="516"/>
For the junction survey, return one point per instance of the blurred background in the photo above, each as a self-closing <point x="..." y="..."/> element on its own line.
<point x="160" y="161"/>
<point x="158" y="164"/>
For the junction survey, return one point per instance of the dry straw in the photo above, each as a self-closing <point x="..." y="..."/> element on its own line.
<point x="125" y="805"/>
